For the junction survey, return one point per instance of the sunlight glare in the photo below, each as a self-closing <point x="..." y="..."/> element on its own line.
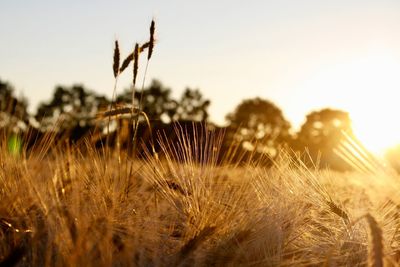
<point x="371" y="86"/>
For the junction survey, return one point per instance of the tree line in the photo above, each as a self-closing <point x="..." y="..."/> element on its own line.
<point x="256" y="125"/>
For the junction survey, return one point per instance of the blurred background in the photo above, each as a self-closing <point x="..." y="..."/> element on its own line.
<point x="292" y="72"/>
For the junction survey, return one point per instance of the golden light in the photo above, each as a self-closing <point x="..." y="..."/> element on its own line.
<point x="369" y="89"/>
<point x="377" y="105"/>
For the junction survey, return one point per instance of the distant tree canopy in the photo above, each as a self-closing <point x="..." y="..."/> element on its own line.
<point x="70" y="107"/>
<point x="322" y="132"/>
<point x="192" y="106"/>
<point x="159" y="105"/>
<point x="259" y="122"/>
<point x="157" y="102"/>
<point x="13" y="110"/>
<point x="256" y="125"/>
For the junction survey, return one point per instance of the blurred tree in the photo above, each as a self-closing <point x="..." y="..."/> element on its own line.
<point x="161" y="109"/>
<point x="259" y="125"/>
<point x="192" y="106"/>
<point x="322" y="133"/>
<point x="157" y="102"/>
<point x="13" y="110"/>
<point x="160" y="106"/>
<point x="70" y="107"/>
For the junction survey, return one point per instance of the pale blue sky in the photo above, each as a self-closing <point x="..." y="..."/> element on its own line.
<point x="302" y="55"/>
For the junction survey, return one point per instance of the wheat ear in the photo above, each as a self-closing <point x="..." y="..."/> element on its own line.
<point x="376" y="252"/>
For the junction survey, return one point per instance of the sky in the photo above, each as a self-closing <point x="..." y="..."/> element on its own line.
<point x="302" y="55"/>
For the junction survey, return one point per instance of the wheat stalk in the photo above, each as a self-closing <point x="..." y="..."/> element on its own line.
<point x="116" y="63"/>
<point x="376" y="252"/>
<point x="150" y="51"/>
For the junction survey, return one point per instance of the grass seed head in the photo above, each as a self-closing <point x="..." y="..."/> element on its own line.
<point x="116" y="59"/>
<point x="126" y="62"/>
<point x="129" y="58"/>
<point x="151" y="42"/>
<point x="135" y="62"/>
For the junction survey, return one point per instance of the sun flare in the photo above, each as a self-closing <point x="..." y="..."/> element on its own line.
<point x="371" y="86"/>
<point x="376" y="106"/>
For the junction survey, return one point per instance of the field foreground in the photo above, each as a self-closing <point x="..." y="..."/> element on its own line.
<point x="67" y="207"/>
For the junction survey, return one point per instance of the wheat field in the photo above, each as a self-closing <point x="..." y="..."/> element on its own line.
<point x="69" y="207"/>
<point x="189" y="205"/>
